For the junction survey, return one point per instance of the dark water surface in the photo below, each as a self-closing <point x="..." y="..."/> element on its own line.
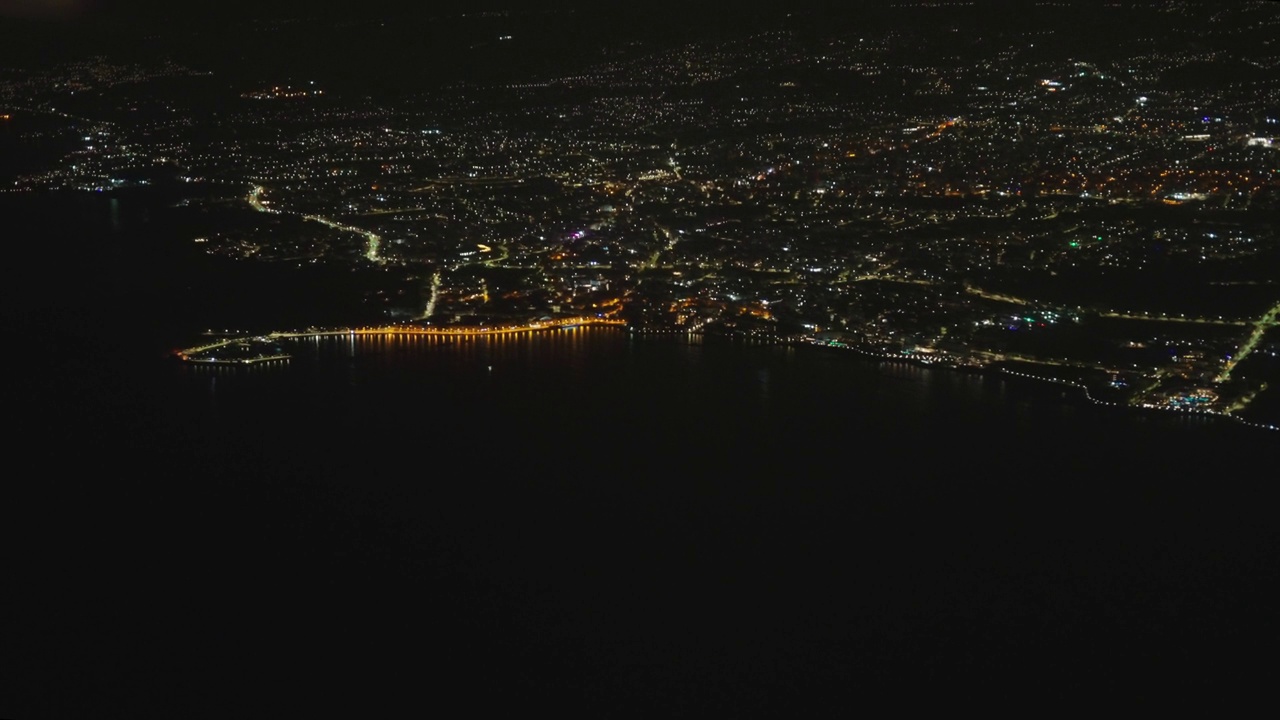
<point x="594" y="523"/>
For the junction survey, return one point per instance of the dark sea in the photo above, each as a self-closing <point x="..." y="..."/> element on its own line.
<point x="584" y="522"/>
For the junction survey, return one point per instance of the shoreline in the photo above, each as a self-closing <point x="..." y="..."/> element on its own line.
<point x="189" y="355"/>
<point x="240" y="362"/>
<point x="993" y="370"/>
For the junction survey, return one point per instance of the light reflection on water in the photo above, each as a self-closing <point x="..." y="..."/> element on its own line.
<point x="648" y="390"/>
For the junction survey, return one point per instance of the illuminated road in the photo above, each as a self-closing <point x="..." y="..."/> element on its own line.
<point x="435" y="295"/>
<point x="880" y="278"/>
<point x="437" y="280"/>
<point x="672" y="240"/>
<point x="973" y="290"/>
<point x="562" y="323"/>
<point x="1056" y="362"/>
<point x="373" y="241"/>
<point x="979" y="292"/>
<point x="1259" y="329"/>
<point x="255" y="200"/>
<point x="503" y="253"/>
<point x="1167" y="318"/>
<point x="193" y="354"/>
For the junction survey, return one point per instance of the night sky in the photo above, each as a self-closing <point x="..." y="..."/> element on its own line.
<point x="714" y="12"/>
<point x="71" y="9"/>
<point x="43" y="32"/>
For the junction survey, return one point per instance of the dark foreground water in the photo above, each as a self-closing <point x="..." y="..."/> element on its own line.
<point x="590" y="523"/>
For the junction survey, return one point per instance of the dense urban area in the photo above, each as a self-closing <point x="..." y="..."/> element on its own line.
<point x="1098" y="211"/>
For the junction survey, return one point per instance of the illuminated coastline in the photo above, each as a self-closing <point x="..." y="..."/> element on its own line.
<point x="953" y="364"/>
<point x="212" y="353"/>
